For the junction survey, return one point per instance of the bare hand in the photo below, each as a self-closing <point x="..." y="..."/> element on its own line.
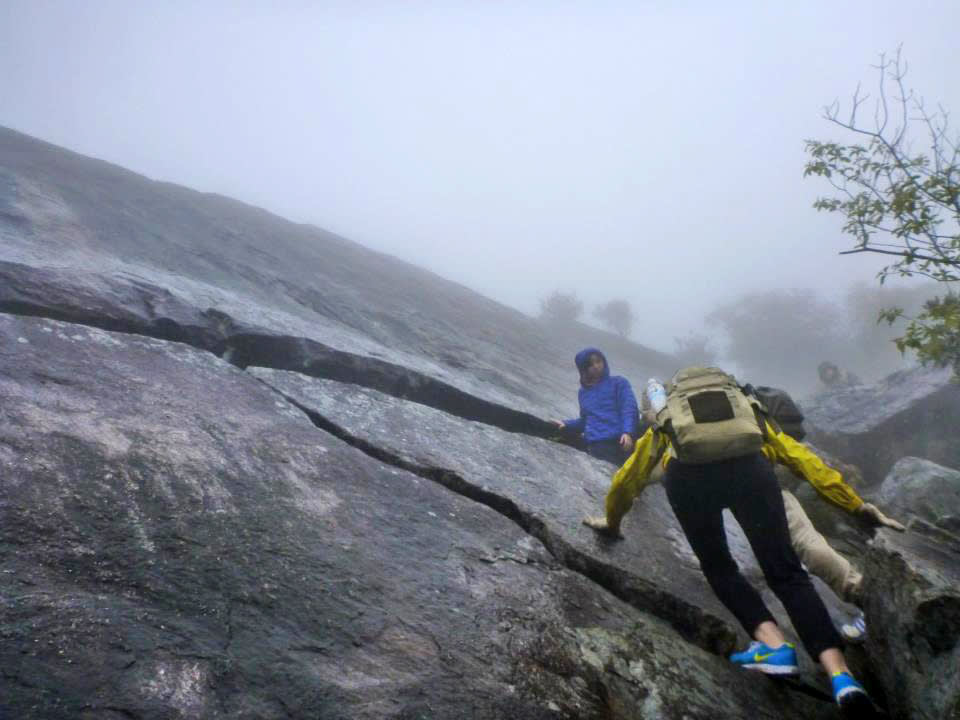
<point x="626" y="442"/>
<point x="873" y="515"/>
<point x="559" y="423"/>
<point x="599" y="523"/>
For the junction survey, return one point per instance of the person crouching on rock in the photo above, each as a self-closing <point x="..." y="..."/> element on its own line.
<point x="608" y="409"/>
<point x="832" y="377"/>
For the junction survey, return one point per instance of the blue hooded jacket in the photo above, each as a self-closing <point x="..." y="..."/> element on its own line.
<point x="608" y="408"/>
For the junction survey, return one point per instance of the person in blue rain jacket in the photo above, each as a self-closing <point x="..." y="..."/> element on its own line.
<point x="609" y="417"/>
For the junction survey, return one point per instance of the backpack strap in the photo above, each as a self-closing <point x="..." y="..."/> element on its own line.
<point x="761" y="411"/>
<point x="762" y="419"/>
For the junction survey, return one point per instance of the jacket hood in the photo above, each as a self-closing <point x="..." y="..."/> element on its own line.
<point x="580" y="360"/>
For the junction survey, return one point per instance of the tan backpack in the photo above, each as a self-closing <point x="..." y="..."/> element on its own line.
<point x="709" y="418"/>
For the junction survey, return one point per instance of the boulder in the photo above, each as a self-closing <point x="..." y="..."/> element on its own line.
<point x="918" y="487"/>
<point x="911" y="412"/>
<point x="912" y="603"/>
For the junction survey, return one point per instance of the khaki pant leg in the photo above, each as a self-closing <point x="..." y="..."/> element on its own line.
<point x="814" y="552"/>
<point x="656" y="475"/>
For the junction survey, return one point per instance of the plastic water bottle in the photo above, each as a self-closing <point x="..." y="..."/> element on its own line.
<point x="657" y="395"/>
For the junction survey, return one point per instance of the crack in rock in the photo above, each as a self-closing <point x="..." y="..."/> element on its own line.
<point x="695" y="625"/>
<point x="309" y="357"/>
<point x="302" y="355"/>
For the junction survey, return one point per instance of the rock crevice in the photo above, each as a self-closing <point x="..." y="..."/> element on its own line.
<point x="141" y="308"/>
<point x="317" y="360"/>
<point x="705" y="630"/>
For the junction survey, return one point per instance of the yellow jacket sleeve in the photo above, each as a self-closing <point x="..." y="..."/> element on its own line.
<point x="633" y="476"/>
<point x="781" y="448"/>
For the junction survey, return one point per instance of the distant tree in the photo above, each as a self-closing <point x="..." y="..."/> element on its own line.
<point x="872" y="348"/>
<point x="780" y="336"/>
<point x="616" y="315"/>
<point x="562" y="308"/>
<point x="900" y="203"/>
<point x="694" y="349"/>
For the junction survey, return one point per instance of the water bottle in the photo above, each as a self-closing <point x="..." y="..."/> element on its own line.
<point x="657" y="395"/>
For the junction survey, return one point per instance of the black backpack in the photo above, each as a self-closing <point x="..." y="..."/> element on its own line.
<point x="780" y="408"/>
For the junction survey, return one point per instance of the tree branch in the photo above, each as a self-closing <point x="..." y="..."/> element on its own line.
<point x="901" y="253"/>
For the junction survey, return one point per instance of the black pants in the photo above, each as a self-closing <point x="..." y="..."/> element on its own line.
<point x="698" y="494"/>
<point x="608" y="450"/>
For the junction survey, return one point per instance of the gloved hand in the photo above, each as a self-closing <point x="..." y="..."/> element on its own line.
<point x="873" y="515"/>
<point x="600" y="525"/>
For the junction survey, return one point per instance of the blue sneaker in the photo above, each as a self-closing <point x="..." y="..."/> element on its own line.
<point x="779" y="661"/>
<point x="851" y="697"/>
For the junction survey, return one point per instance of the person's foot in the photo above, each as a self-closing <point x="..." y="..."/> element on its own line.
<point x="773" y="661"/>
<point x="599" y="523"/>
<point x="855" y="631"/>
<point x="851" y="697"/>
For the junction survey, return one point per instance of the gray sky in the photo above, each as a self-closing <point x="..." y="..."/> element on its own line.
<point x="516" y="147"/>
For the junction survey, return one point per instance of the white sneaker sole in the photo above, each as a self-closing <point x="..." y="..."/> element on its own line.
<point x="852" y="635"/>
<point x="773" y="669"/>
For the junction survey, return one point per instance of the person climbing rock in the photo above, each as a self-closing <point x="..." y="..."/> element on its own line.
<point x="718" y="444"/>
<point x="795" y="461"/>
<point x="811" y="547"/>
<point x="608" y="409"/>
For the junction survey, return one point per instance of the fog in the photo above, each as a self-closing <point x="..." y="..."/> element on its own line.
<point x="650" y="151"/>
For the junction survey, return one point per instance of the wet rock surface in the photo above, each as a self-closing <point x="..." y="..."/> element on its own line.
<point x="912" y="584"/>
<point x="62" y="211"/>
<point x="911" y="412"/>
<point x="544" y="486"/>
<point x="178" y="541"/>
<point x="312" y="358"/>
<point x="920" y="488"/>
<point x="548" y="489"/>
<point x="123" y="304"/>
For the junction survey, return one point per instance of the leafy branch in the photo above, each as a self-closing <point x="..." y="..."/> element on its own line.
<point x="898" y="202"/>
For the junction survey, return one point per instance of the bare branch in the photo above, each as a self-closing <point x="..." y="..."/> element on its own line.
<point x="901" y="253"/>
<point x="882" y="101"/>
<point x="895" y="201"/>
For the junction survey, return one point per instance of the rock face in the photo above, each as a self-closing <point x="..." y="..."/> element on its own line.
<point x="917" y="487"/>
<point x="181" y="541"/>
<point x="913" y="594"/>
<point x="114" y="233"/>
<point x="911" y="412"/>
<point x="249" y="469"/>
<point x="546" y="488"/>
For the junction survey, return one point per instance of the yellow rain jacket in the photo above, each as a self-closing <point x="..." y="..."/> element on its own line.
<point x="630" y="480"/>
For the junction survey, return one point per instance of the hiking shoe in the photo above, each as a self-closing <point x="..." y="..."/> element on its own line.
<point x="779" y="661"/>
<point x="855" y="631"/>
<point x="851" y="697"/>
